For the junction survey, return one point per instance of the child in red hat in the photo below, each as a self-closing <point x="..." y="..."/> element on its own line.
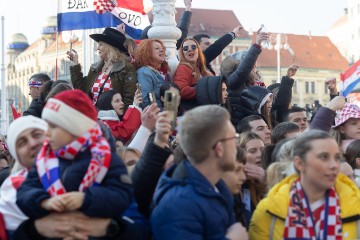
<point x="75" y="169"/>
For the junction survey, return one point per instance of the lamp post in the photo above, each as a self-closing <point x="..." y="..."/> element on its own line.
<point x="278" y="41"/>
<point x="164" y="28"/>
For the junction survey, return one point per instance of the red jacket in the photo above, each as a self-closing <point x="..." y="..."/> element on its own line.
<point x="124" y="129"/>
<point x="184" y="77"/>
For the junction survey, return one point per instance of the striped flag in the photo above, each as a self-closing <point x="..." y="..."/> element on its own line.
<point x="350" y="79"/>
<point x="88" y="14"/>
<point x="130" y="12"/>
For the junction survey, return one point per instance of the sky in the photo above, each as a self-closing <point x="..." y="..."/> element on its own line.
<point x="277" y="15"/>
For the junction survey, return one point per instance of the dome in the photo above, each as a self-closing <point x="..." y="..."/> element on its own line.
<point x="18" y="41"/>
<point x="49" y="26"/>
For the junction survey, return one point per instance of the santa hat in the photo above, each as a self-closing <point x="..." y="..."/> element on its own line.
<point x="71" y="110"/>
<point x="20" y="125"/>
<point x="347" y="112"/>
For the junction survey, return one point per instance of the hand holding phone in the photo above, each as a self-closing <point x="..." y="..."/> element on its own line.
<point x="152" y="97"/>
<point x="170" y="105"/>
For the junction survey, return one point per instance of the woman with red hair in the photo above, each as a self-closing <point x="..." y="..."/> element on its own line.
<point x="152" y="68"/>
<point x="190" y="69"/>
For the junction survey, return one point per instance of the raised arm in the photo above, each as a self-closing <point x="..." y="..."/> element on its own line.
<point x="150" y="166"/>
<point x="218" y="46"/>
<point x="284" y="94"/>
<point x="184" y="23"/>
<point x="239" y="76"/>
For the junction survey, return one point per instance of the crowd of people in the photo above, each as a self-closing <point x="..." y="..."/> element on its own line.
<point x="99" y="157"/>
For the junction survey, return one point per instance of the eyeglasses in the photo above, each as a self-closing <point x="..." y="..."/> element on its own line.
<point x="186" y="48"/>
<point x="236" y="137"/>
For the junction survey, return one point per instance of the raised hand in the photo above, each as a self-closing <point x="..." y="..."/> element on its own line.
<point x="73" y="56"/>
<point x="148" y="116"/>
<point x="121" y="28"/>
<point x="163" y="129"/>
<point x="292" y="70"/>
<point x="261" y="36"/>
<point x="237" y="30"/>
<point x="137" y="98"/>
<point x="331" y="84"/>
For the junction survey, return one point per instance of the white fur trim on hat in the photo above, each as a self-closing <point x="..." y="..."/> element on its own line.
<point x="66" y="117"/>
<point x="263" y="101"/>
<point x="20" y="125"/>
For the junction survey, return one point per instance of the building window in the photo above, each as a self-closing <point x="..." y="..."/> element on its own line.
<point x="306" y="87"/>
<point x="295" y="87"/>
<point x="312" y="87"/>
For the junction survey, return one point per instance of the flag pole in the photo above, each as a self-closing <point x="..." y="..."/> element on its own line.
<point x="57" y="43"/>
<point x="4" y="113"/>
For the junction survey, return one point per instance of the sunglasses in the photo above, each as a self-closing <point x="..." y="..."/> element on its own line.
<point x="186" y="48"/>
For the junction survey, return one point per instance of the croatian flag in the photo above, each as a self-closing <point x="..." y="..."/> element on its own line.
<point x="80" y="14"/>
<point x="130" y="12"/>
<point x="350" y="79"/>
<point x="88" y="14"/>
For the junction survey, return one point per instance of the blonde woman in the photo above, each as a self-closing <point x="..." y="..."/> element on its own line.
<point x="114" y="71"/>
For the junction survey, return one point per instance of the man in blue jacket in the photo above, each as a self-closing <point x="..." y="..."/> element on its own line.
<point x="191" y="200"/>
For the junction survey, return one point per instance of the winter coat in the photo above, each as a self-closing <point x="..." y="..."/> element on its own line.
<point x="146" y="174"/>
<point x="269" y="217"/>
<point x="281" y="100"/>
<point x="251" y="98"/>
<point x="187" y="206"/>
<point x="151" y="81"/>
<point x="124" y="129"/>
<point x="186" y="77"/>
<point x="208" y="90"/>
<point x="109" y="200"/>
<point x="215" y="49"/>
<point x="237" y="79"/>
<point x="122" y="75"/>
<point x="323" y="119"/>
<point x="35" y="108"/>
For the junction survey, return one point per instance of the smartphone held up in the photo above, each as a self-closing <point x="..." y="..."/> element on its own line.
<point x="171" y="106"/>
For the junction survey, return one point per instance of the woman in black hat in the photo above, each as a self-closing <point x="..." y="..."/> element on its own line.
<point x="113" y="71"/>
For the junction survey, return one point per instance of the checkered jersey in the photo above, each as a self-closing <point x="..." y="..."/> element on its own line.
<point x="95" y="90"/>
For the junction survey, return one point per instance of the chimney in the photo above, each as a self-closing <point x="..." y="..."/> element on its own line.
<point x="309" y="34"/>
<point x="346" y="11"/>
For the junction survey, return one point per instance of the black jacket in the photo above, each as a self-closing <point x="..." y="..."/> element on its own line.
<point x="208" y="90"/>
<point x="146" y="175"/>
<point x="35" y="108"/>
<point x="251" y="99"/>
<point x="216" y="49"/>
<point x="282" y="100"/>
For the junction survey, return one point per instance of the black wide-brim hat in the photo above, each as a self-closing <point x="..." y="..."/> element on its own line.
<point x="112" y="37"/>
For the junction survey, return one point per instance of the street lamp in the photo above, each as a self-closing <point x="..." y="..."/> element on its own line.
<point x="278" y="41"/>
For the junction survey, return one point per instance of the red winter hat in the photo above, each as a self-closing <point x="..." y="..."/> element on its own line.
<point x="71" y="110"/>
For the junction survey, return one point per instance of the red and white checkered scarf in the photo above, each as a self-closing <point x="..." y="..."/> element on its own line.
<point x="47" y="162"/>
<point x="299" y="221"/>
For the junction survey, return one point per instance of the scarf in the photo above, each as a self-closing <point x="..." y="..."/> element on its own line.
<point x="299" y="222"/>
<point x="47" y="162"/>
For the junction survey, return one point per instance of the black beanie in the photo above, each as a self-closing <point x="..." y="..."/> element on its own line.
<point x="104" y="101"/>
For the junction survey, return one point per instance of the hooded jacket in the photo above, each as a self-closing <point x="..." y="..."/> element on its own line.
<point x="252" y="99"/>
<point x="187" y="206"/>
<point x="208" y="90"/>
<point x="268" y="220"/>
